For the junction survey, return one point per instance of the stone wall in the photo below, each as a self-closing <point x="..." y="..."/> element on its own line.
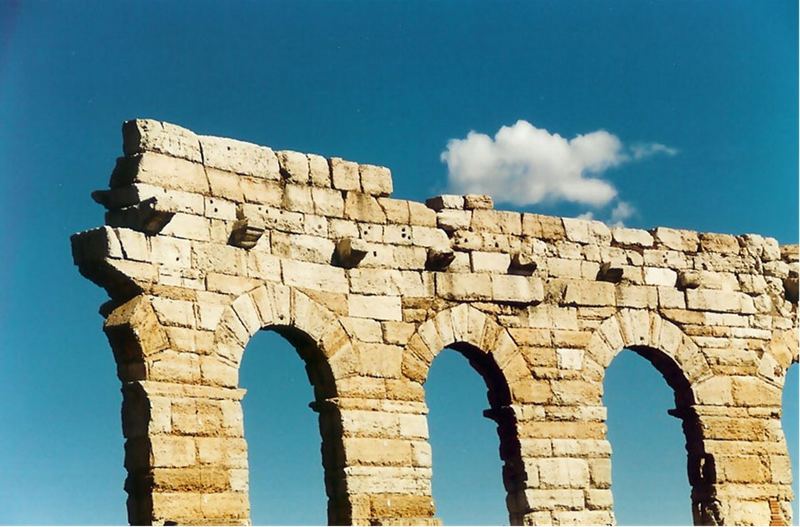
<point x="208" y="240"/>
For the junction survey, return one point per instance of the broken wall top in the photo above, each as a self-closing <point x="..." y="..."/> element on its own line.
<point x="199" y="220"/>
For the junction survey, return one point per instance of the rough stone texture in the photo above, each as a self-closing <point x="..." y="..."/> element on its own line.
<point x="370" y="289"/>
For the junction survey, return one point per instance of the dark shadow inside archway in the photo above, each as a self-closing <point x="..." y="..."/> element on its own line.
<point x="468" y="475"/>
<point x="288" y="483"/>
<point x="789" y="421"/>
<point x="651" y="451"/>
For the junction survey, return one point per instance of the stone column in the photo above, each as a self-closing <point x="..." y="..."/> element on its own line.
<point x="568" y="466"/>
<point x="740" y="472"/>
<point x="185" y="454"/>
<point x="379" y="473"/>
<point x="185" y="451"/>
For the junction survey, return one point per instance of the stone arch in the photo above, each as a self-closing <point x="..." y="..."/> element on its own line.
<point x="674" y="354"/>
<point x="321" y="341"/>
<point x="492" y="352"/>
<point x="683" y="366"/>
<point x="782" y="351"/>
<point x="462" y="327"/>
<point x="287" y="310"/>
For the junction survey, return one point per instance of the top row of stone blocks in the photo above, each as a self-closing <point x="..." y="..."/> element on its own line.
<point x="456" y="202"/>
<point x="247" y="159"/>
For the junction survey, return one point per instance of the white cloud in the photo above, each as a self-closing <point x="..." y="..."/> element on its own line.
<point x="643" y="150"/>
<point x="620" y="213"/>
<point x="525" y="165"/>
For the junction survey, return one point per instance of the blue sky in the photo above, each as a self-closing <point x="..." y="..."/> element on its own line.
<point x="714" y="83"/>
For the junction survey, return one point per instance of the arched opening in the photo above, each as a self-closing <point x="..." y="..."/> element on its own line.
<point x="287" y="475"/>
<point x="468" y="475"/>
<point x="789" y="420"/>
<point x="649" y="450"/>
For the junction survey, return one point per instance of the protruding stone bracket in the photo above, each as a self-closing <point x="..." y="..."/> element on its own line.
<point x="445" y="201"/>
<point x="689" y="280"/>
<point x="610" y="273"/>
<point x="790" y="285"/>
<point x="439" y="258"/>
<point x="98" y="253"/>
<point x="522" y="264"/>
<point x="246" y="232"/>
<point x="147" y="216"/>
<point x="350" y="251"/>
<point x="102" y="197"/>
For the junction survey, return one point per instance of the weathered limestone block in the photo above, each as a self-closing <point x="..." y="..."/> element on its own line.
<point x="429" y="237"/>
<point x="478" y="201"/>
<point x="445" y="201"/>
<point x="315" y="277"/>
<point x="563" y="473"/>
<point x="656" y="276"/>
<point x="227" y="185"/>
<point x="375" y="180"/>
<point x="543" y="227"/>
<point x="496" y="221"/>
<point x="676" y="239"/>
<point x="376" y="307"/>
<point x="363" y="207"/>
<point x="721" y="301"/>
<point x="420" y="214"/>
<point x="134" y="332"/>
<point x="297" y="198"/>
<point x="451" y="220"/>
<point x="692" y="279"/>
<point x="161" y="170"/>
<point x="220" y="209"/>
<point x="397" y="234"/>
<point x="514" y="288"/>
<point x="344" y="174"/>
<point x="636" y="296"/>
<point x="631" y="237"/>
<point x="140" y="135"/>
<point x="464" y="286"/>
<point x="587" y="232"/>
<point x="294" y="166"/>
<point x="240" y="157"/>
<point x="718" y="243"/>
<point x="490" y="262"/>
<point x="589" y="294"/>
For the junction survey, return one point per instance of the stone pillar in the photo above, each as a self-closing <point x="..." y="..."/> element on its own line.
<point x="514" y="473"/>
<point x="185" y="451"/>
<point x="379" y="471"/>
<point x="185" y="454"/>
<point x="740" y="472"/>
<point x="568" y="466"/>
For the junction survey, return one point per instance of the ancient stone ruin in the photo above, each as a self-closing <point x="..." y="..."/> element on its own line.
<point x="209" y="240"/>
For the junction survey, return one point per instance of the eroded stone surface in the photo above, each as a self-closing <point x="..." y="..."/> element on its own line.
<point x="370" y="289"/>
